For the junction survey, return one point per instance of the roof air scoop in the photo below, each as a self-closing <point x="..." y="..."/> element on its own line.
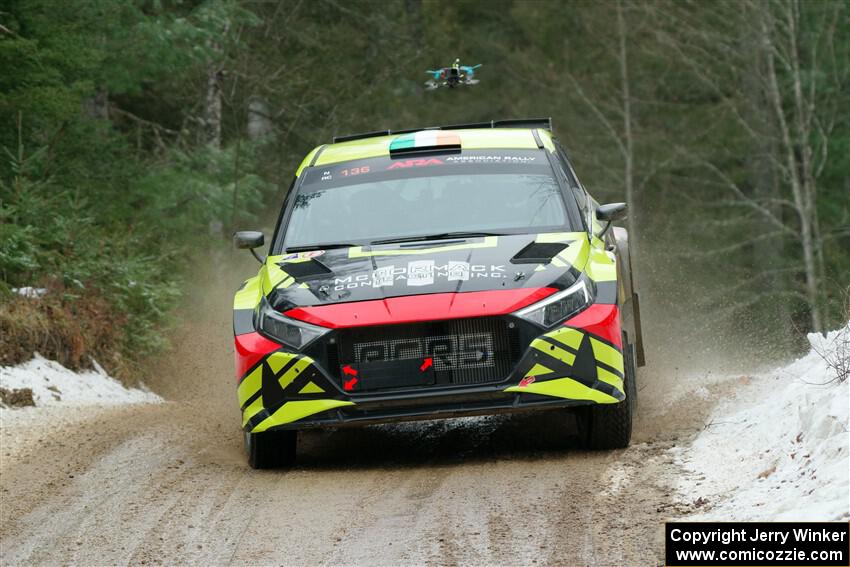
<point x="538" y="253"/>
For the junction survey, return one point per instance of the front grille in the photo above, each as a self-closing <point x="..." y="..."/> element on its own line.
<point x="463" y="351"/>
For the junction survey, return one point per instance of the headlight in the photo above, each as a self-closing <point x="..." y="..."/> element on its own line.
<point x="278" y="327"/>
<point x="560" y="305"/>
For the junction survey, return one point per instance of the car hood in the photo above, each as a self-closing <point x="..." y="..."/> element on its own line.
<point x="512" y="262"/>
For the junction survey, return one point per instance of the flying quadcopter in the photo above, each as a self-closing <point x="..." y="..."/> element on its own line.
<point x="453" y="76"/>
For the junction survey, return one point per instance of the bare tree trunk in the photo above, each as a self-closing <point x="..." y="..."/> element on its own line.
<point x="628" y="139"/>
<point x="804" y="108"/>
<point x="212" y="106"/>
<point x="259" y="123"/>
<point x="801" y="188"/>
<point x="811" y="274"/>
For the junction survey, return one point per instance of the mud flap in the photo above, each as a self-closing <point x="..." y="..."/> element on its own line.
<point x="639" y="354"/>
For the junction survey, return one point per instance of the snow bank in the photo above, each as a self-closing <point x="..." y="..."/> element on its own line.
<point x="777" y="448"/>
<point x="53" y="384"/>
<point x="30" y="292"/>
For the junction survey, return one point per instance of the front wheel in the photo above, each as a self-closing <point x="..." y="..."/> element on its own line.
<point x="609" y="426"/>
<point x="271" y="449"/>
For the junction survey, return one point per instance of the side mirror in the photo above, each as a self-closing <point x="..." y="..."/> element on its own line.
<point x="249" y="239"/>
<point x="610" y="213"/>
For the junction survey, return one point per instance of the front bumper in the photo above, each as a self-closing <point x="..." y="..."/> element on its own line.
<point x="474" y="403"/>
<point x="578" y="363"/>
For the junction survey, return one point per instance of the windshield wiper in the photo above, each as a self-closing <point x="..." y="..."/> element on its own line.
<point x="438" y="236"/>
<point x="327" y="246"/>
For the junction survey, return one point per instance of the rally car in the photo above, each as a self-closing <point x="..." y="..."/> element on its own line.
<point x="448" y="271"/>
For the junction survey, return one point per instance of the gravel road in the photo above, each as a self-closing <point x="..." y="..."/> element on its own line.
<point x="168" y="484"/>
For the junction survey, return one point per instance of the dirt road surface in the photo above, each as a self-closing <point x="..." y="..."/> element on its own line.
<point x="169" y="484"/>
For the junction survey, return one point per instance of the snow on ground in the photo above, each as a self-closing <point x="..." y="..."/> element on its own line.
<point x="53" y="384"/>
<point x="30" y="292"/>
<point x="777" y="447"/>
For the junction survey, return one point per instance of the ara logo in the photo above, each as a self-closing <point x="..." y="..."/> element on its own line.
<point x="420" y="162"/>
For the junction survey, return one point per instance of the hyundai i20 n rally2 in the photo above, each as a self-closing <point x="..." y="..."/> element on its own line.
<point x="450" y="271"/>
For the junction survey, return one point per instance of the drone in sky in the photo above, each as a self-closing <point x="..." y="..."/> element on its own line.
<point x="452" y="77"/>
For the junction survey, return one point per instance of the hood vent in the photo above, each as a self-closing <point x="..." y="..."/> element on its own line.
<point x="305" y="270"/>
<point x="538" y="253"/>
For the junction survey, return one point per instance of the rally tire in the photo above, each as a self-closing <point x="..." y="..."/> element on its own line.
<point x="271" y="449"/>
<point x="609" y="426"/>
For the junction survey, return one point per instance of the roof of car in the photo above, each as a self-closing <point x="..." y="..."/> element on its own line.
<point x="470" y="139"/>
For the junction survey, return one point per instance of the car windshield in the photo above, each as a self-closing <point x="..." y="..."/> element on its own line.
<point x="383" y="199"/>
